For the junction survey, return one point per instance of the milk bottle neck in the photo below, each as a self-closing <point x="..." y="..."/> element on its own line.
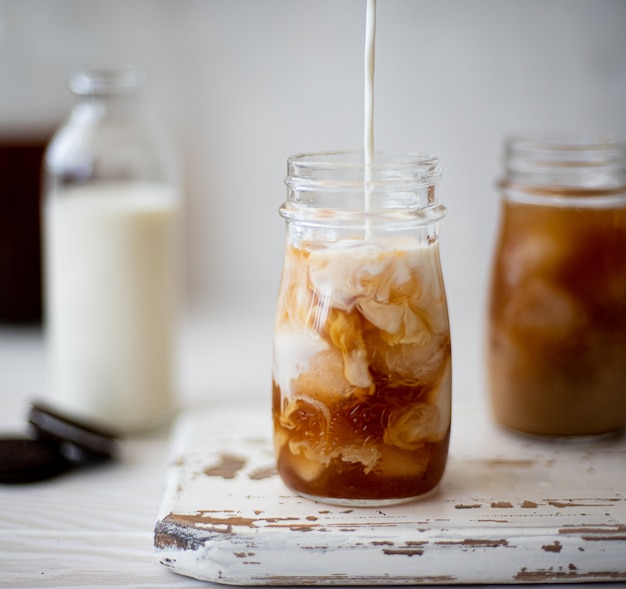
<point x="106" y="96"/>
<point x="108" y="137"/>
<point x="95" y="108"/>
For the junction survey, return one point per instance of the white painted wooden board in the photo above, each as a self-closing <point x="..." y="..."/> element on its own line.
<point x="509" y="510"/>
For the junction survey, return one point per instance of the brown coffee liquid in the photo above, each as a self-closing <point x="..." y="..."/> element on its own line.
<point x="359" y="424"/>
<point x="557" y="320"/>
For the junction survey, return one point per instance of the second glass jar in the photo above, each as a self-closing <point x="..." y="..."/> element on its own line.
<point x="557" y="311"/>
<point x="362" y="358"/>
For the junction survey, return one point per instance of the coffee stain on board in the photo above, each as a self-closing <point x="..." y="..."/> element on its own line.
<point x="227" y="468"/>
<point x="554" y="547"/>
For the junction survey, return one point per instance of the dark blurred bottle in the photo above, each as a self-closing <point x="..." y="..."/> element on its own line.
<point x="20" y="244"/>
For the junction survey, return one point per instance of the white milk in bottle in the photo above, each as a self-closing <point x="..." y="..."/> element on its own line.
<point x="110" y="277"/>
<point x="110" y="222"/>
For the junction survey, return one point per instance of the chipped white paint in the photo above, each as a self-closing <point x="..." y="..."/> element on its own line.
<point x="509" y="510"/>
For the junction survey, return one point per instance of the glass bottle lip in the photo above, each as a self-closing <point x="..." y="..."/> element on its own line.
<point x="121" y="80"/>
<point x="338" y="187"/>
<point x="565" y="161"/>
<point x="342" y="170"/>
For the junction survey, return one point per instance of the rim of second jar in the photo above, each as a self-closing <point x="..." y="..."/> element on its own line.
<point x="553" y="167"/>
<point x="565" y="150"/>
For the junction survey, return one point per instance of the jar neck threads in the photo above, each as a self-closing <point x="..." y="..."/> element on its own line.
<point x="584" y="164"/>
<point x="110" y="93"/>
<point x="331" y="188"/>
<point x="565" y="172"/>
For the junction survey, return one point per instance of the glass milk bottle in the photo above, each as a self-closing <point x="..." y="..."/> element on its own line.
<point x="111" y="212"/>
<point x="557" y="311"/>
<point x="361" y="369"/>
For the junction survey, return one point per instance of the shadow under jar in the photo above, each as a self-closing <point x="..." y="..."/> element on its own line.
<point x="557" y="310"/>
<point x="361" y="370"/>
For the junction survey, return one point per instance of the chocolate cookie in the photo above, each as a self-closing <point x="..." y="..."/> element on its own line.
<point x="79" y="439"/>
<point x="26" y="460"/>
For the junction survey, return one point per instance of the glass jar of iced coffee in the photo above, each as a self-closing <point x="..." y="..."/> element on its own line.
<point x="557" y="311"/>
<point x="362" y="365"/>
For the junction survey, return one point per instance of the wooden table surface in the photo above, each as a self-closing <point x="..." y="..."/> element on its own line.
<point x="94" y="528"/>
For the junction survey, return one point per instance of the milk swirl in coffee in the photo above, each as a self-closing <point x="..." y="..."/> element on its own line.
<point x="362" y="371"/>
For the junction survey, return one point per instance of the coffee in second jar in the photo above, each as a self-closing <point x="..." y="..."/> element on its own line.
<point x="557" y="310"/>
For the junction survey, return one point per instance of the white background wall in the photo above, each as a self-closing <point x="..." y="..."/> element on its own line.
<point x="245" y="83"/>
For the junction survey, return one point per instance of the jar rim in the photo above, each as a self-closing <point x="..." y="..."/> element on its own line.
<point x="345" y="168"/>
<point x="565" y="161"/>
<point x="564" y="150"/>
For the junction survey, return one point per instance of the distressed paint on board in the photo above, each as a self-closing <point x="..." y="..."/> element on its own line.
<point x="509" y="510"/>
